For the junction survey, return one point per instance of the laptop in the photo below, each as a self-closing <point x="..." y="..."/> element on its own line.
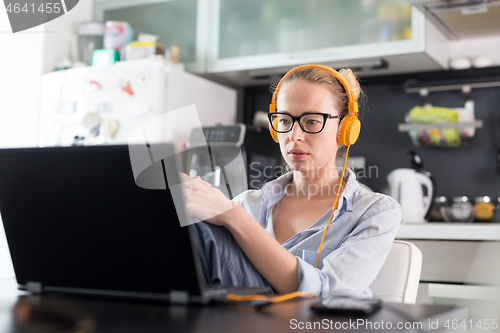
<point x="76" y="221"/>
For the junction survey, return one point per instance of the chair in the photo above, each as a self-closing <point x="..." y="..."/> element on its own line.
<point x="398" y="279"/>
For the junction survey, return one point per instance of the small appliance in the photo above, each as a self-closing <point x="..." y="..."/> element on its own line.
<point x="407" y="187"/>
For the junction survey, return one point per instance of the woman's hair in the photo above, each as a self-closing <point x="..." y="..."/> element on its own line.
<point x="320" y="76"/>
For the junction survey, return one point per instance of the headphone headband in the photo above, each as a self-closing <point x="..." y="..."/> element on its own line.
<point x="353" y="104"/>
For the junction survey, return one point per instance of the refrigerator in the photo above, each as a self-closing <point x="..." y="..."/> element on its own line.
<point x="106" y="105"/>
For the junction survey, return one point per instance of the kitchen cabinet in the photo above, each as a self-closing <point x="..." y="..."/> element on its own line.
<point x="244" y="41"/>
<point x="267" y="33"/>
<point x="456" y="252"/>
<point x="181" y="23"/>
<point x="460" y="264"/>
<point x="259" y="38"/>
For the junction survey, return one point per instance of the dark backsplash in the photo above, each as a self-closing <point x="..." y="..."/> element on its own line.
<point x="468" y="170"/>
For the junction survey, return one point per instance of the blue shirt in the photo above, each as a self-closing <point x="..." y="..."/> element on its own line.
<point x="356" y="243"/>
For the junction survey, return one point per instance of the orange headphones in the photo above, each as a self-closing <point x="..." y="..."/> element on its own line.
<point x="349" y="127"/>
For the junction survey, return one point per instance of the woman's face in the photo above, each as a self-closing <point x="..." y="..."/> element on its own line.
<point x="302" y="151"/>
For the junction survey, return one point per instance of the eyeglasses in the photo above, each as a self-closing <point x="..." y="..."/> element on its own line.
<point x="309" y="122"/>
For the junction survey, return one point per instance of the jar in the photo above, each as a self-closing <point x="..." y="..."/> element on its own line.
<point x="484" y="209"/>
<point x="435" y="213"/>
<point x="462" y="210"/>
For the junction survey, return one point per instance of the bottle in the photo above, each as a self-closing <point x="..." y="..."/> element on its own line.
<point x="484" y="209"/>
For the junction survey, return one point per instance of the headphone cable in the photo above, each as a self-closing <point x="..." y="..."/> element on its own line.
<point x="334" y="206"/>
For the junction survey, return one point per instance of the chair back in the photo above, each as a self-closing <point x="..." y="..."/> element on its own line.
<point x="398" y="279"/>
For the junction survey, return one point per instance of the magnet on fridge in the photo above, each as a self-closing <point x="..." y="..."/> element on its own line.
<point x="91" y="120"/>
<point x="92" y="86"/>
<point x="110" y="126"/>
<point x="128" y="89"/>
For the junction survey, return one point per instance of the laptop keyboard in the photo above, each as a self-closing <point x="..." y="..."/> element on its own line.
<point x="221" y="290"/>
<point x="215" y="290"/>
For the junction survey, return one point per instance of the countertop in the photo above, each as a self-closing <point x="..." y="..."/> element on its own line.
<point x="450" y="231"/>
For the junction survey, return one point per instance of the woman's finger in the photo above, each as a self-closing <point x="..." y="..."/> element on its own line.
<point x="206" y="183"/>
<point x="192" y="185"/>
<point x="184" y="177"/>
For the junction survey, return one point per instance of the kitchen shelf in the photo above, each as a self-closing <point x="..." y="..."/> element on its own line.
<point x="450" y="231"/>
<point x="412" y="86"/>
<point x="406" y="127"/>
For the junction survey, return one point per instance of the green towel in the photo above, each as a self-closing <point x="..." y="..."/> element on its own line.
<point x="437" y="137"/>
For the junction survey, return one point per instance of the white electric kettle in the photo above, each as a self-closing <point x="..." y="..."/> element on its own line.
<point x="405" y="185"/>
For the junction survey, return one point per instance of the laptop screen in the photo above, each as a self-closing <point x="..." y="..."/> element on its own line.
<point x="74" y="217"/>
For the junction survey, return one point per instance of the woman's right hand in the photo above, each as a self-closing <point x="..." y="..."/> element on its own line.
<point x="203" y="201"/>
<point x="192" y="183"/>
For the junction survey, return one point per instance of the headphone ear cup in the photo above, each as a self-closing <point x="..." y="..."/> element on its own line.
<point x="274" y="134"/>
<point x="339" y="133"/>
<point x="349" y="129"/>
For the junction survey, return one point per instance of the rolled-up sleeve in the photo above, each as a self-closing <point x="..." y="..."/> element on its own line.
<point x="351" y="267"/>
<point x="312" y="280"/>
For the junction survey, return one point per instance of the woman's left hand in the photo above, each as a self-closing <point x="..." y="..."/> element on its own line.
<point x="205" y="202"/>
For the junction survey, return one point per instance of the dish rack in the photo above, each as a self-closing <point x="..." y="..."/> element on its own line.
<point x="437" y="134"/>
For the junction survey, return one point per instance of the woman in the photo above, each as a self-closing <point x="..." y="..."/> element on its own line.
<point x="280" y="227"/>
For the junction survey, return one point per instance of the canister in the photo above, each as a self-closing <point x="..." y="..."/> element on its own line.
<point x="462" y="210"/>
<point x="484" y="209"/>
<point x="435" y="213"/>
<point x="117" y="34"/>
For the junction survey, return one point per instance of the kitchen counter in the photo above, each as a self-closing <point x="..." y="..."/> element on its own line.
<point x="450" y="231"/>
<point x="460" y="265"/>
